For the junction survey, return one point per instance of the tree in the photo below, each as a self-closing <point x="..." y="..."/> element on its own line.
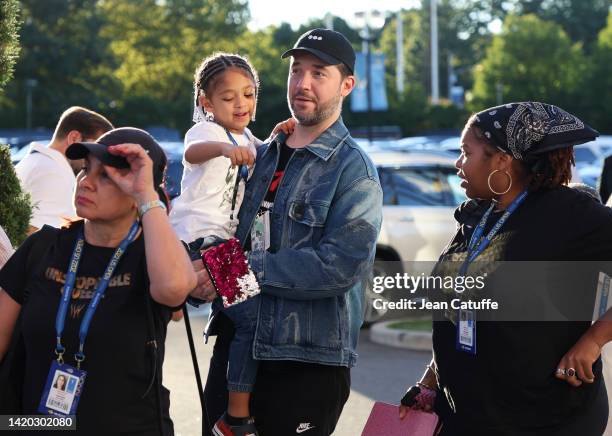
<point x="156" y="47"/>
<point x="599" y="89"/>
<point x="63" y="52"/>
<point x="530" y="59"/>
<point x="9" y="39"/>
<point x="581" y="19"/>
<point x="15" y="204"/>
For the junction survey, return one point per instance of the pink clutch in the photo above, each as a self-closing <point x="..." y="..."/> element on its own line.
<point x="230" y="272"/>
<point x="384" y="420"/>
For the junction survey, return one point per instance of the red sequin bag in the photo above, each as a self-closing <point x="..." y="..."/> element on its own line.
<point x="230" y="273"/>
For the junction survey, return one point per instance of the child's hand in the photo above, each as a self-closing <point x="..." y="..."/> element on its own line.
<point x="239" y="155"/>
<point x="286" y="126"/>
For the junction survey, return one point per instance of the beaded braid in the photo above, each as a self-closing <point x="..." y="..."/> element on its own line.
<point x="212" y="67"/>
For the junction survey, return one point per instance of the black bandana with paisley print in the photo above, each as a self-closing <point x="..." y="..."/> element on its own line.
<point x="528" y="129"/>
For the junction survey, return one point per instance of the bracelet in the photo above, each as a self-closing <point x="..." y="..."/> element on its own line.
<point x="144" y="208"/>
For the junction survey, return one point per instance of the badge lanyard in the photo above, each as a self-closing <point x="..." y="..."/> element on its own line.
<point x="478" y="245"/>
<point x="466" y="319"/>
<point x="99" y="293"/>
<point x="243" y="173"/>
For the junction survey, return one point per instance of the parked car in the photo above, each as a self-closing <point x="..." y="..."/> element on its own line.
<point x="590" y="158"/>
<point x="421" y="190"/>
<point x="174" y="171"/>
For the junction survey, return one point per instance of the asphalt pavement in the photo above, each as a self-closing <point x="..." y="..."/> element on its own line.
<point x="382" y="374"/>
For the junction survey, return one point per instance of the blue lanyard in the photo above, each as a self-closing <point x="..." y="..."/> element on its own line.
<point x="478" y="244"/>
<point x="60" y="318"/>
<point x="243" y="171"/>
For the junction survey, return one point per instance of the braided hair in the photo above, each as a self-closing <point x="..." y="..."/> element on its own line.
<point x="212" y="68"/>
<point x="553" y="169"/>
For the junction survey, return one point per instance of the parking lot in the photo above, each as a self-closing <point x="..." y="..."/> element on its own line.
<point x="382" y="374"/>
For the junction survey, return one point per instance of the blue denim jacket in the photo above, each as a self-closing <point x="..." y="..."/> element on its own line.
<point x="323" y="230"/>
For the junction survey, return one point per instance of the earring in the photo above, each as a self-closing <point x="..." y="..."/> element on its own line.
<point x="509" y="182"/>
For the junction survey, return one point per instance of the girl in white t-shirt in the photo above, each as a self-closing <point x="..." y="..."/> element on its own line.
<point x="219" y="148"/>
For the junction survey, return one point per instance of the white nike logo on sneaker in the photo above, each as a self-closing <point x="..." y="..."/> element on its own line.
<point x="305" y="426"/>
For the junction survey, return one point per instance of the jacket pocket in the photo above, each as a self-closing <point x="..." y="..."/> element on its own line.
<point x="306" y="223"/>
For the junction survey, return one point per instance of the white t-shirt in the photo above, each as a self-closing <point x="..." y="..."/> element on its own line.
<point x="6" y="248"/>
<point x="205" y="204"/>
<point x="46" y="174"/>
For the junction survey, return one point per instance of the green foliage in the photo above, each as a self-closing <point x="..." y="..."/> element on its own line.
<point x="134" y="61"/>
<point x="581" y="19"/>
<point x="15" y="204"/>
<point x="156" y="47"/>
<point x="530" y="59"/>
<point x="61" y="50"/>
<point x="9" y="39"/>
<point x="599" y="93"/>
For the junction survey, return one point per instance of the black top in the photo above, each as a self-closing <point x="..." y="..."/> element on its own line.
<point x="605" y="180"/>
<point x="285" y="154"/>
<point x="509" y="384"/>
<point x="118" y="362"/>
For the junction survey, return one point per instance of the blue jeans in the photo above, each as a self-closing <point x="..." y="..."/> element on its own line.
<point x="242" y="368"/>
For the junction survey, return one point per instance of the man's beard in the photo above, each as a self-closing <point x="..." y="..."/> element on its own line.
<point x="321" y="113"/>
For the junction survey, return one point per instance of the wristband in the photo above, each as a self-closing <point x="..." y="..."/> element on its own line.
<point x="144" y="208"/>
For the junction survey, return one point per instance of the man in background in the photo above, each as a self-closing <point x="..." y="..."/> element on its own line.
<point x="46" y="173"/>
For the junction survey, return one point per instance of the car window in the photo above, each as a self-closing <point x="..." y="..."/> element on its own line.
<point x="584" y="154"/>
<point x="420" y="186"/>
<point x="457" y="192"/>
<point x="174" y="172"/>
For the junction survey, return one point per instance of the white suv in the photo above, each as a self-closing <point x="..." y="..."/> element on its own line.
<point x="420" y="193"/>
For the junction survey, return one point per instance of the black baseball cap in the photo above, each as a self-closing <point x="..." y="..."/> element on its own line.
<point x="122" y="135"/>
<point x="328" y="45"/>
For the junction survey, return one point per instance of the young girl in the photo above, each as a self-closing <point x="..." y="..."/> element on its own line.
<point x="218" y="150"/>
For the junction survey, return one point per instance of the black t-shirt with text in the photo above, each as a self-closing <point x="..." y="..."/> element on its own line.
<point x="285" y="154"/>
<point x="118" y="362"/>
<point x="509" y="384"/>
<point x="268" y="203"/>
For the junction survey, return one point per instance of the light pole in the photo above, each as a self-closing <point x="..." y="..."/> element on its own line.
<point x="370" y="23"/>
<point x="399" y="48"/>
<point x="435" y="86"/>
<point x="30" y="84"/>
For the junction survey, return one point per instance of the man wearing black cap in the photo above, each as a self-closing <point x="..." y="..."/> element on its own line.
<point x="310" y="220"/>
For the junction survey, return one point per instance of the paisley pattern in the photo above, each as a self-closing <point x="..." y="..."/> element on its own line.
<point x="528" y="128"/>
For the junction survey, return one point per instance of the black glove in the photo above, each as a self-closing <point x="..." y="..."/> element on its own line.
<point x="409" y="398"/>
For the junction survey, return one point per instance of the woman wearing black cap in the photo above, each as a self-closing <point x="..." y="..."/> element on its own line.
<point x="95" y="297"/>
<point x="520" y="378"/>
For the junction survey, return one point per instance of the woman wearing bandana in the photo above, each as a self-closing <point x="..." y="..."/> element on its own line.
<point x="522" y="371"/>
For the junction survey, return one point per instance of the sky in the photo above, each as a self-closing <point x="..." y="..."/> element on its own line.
<point x="267" y="12"/>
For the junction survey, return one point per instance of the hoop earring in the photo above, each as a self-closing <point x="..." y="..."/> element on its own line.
<point x="509" y="184"/>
